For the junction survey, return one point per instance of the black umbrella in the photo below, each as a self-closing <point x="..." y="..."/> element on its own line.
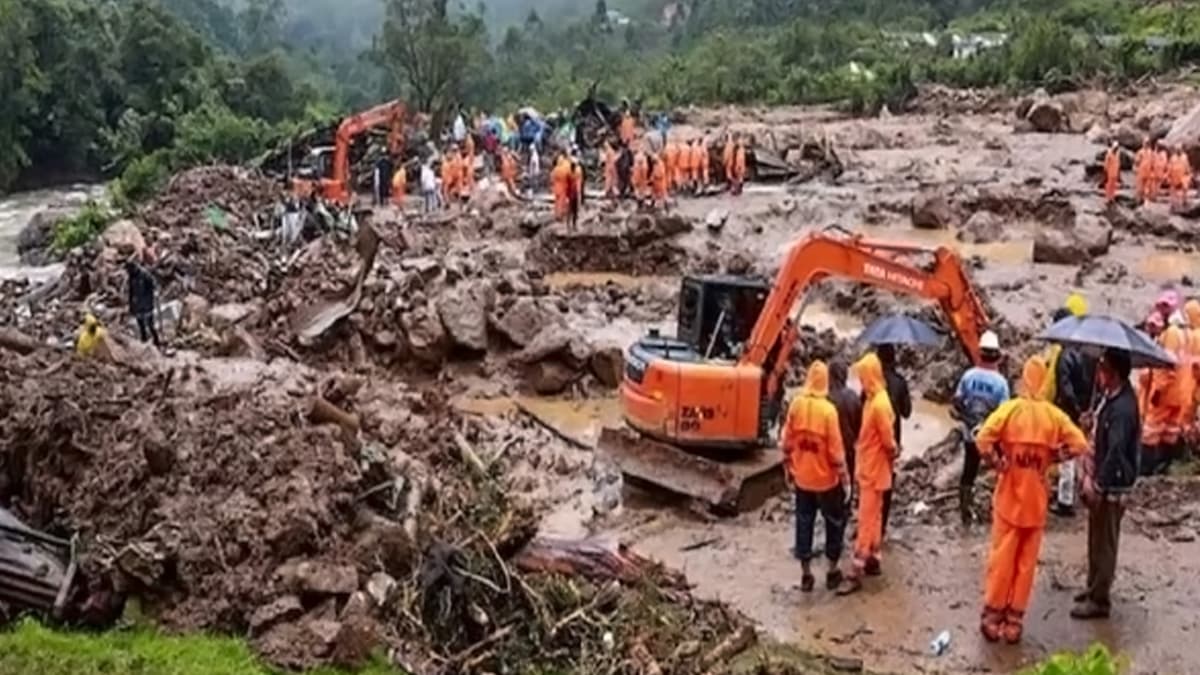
<point x="898" y="329"/>
<point x="1109" y="333"/>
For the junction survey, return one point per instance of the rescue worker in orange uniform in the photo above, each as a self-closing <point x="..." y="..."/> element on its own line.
<point x="1021" y="439"/>
<point x="739" y="167"/>
<point x="1191" y="431"/>
<point x="815" y="462"/>
<point x="399" y="185"/>
<point x="508" y="169"/>
<point x="451" y="173"/>
<point x="628" y="128"/>
<point x="670" y="157"/>
<point x="1179" y="177"/>
<point x="469" y="148"/>
<point x="1143" y="162"/>
<point x="1162" y="395"/>
<point x="687" y="169"/>
<point x="641" y="174"/>
<point x="610" y="171"/>
<point x="466" y="181"/>
<point x="1159" y="173"/>
<point x="700" y="162"/>
<point x="1112" y="172"/>
<point x="575" y="192"/>
<point x="659" y="181"/>
<point x="875" y="453"/>
<point x="560" y="186"/>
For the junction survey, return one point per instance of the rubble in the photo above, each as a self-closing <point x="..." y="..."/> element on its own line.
<point x="1088" y="238"/>
<point x="933" y="211"/>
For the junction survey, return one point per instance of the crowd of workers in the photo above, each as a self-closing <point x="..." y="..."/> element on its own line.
<point x="1070" y="408"/>
<point x="632" y="167"/>
<point x="1157" y="170"/>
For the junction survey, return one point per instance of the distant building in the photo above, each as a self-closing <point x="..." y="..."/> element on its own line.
<point x="969" y="45"/>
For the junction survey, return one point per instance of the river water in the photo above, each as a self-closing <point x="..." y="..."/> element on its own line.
<point x="16" y="210"/>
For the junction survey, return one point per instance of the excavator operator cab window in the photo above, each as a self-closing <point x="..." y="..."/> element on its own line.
<point x="717" y="313"/>
<point x="318" y="164"/>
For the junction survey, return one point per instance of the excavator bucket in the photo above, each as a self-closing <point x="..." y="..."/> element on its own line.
<point x="728" y="487"/>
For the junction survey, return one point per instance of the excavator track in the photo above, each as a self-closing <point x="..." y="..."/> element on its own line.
<point x="727" y="487"/>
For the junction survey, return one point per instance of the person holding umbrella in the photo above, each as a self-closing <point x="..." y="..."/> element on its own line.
<point x="1109" y="474"/>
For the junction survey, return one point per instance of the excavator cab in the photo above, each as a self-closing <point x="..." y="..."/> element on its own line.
<point x="315" y="175"/>
<point x="717" y="313"/>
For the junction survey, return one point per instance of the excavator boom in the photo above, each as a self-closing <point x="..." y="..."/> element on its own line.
<point x="338" y="186"/>
<point x="716" y="414"/>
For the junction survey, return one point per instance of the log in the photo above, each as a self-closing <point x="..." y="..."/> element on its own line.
<point x="595" y="559"/>
<point x="730" y="647"/>
<point x="16" y="341"/>
<point x="323" y="412"/>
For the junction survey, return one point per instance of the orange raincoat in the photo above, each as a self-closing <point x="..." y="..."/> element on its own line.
<point x="1159" y="174"/>
<point x="671" y="157"/>
<point x="451" y="173"/>
<point x="687" y="168"/>
<point x="1163" y="395"/>
<point x="1112" y="173"/>
<point x="1022" y="438"/>
<point x="508" y="170"/>
<point x="628" y="129"/>
<point x="1143" y="163"/>
<point x="469" y="147"/>
<point x="399" y="186"/>
<point x="560" y="185"/>
<point x="876" y="452"/>
<point x="658" y="178"/>
<point x="641" y="174"/>
<point x="739" y="166"/>
<point x="1191" y="309"/>
<point x="1179" y="178"/>
<point x="812" y="438"/>
<point x="466" y="181"/>
<point x="727" y="160"/>
<point x="700" y="162"/>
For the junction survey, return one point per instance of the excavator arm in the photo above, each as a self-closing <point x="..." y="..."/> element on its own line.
<point x="866" y="261"/>
<point x="392" y="113"/>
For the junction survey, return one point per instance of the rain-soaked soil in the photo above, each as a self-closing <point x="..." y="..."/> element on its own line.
<point x="498" y="331"/>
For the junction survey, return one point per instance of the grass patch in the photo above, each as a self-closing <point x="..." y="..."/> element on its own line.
<point x="29" y="647"/>
<point x="82" y="228"/>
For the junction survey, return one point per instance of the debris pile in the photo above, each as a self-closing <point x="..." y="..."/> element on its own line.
<point x="328" y="520"/>
<point x="639" y="244"/>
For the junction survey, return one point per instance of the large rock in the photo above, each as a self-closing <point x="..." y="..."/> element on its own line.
<point x="550" y="377"/>
<point x="608" y="365"/>
<point x="932" y="212"/>
<point x="1186" y="132"/>
<point x="124" y="236"/>
<point x="38" y="233"/>
<point x="424" y="334"/>
<point x="464" y="313"/>
<point x="983" y="227"/>
<point x="318" y="578"/>
<point x="525" y="319"/>
<point x="1043" y="113"/>
<point x="1088" y="238"/>
<point x="550" y="341"/>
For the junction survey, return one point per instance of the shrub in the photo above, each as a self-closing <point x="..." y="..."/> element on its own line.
<point x="82" y="228"/>
<point x="1097" y="660"/>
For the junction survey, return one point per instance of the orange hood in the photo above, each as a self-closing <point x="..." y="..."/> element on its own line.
<point x="1033" y="377"/>
<point x="1191" y="309"/>
<point x="816" y="382"/>
<point x="870" y="374"/>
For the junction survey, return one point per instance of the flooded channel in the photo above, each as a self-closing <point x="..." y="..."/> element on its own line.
<point x="15" y="212"/>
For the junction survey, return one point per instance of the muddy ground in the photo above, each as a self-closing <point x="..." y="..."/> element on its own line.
<point x="497" y="327"/>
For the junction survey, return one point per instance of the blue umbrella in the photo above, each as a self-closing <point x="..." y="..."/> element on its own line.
<point x="898" y="329"/>
<point x="1109" y="333"/>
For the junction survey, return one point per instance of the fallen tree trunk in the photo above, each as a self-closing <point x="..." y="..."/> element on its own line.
<point x="595" y="559"/>
<point x="16" y="341"/>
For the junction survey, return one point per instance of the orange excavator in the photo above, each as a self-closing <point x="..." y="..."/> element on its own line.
<point x="702" y="408"/>
<point x="326" y="171"/>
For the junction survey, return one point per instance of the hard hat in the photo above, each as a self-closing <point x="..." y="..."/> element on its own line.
<point x="1076" y="305"/>
<point x="989" y="341"/>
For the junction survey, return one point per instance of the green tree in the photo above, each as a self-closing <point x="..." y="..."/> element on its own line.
<point x="430" y="53"/>
<point x="16" y="95"/>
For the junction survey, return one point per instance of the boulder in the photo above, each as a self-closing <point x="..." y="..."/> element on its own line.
<point x="285" y="608"/>
<point x="38" y="233"/>
<point x="124" y="235"/>
<point x="550" y="341"/>
<point x="1047" y="116"/>
<point x="932" y="212"/>
<point x="424" y="333"/>
<point x="318" y="577"/>
<point x="716" y="218"/>
<point x="608" y="365"/>
<point x="1186" y="132"/>
<point x="232" y="313"/>
<point x="524" y="320"/>
<point x="464" y="312"/>
<point x="982" y="227"/>
<point x="1090" y="237"/>
<point x="1127" y="137"/>
<point x="549" y="377"/>
<point x="195" y="312"/>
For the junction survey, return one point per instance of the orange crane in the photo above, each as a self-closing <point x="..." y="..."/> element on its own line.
<point x="702" y="407"/>
<point x="326" y="173"/>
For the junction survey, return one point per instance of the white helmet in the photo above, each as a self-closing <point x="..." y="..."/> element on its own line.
<point x="989" y="341"/>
